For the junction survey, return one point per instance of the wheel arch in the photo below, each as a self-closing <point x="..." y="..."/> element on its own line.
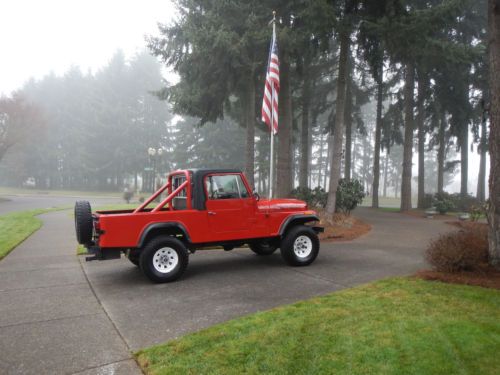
<point x="293" y="220"/>
<point x="173" y="229"/>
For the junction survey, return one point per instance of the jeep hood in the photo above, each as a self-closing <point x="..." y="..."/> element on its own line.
<point x="282" y="205"/>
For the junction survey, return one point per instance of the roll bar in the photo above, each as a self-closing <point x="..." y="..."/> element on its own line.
<point x="171" y="194"/>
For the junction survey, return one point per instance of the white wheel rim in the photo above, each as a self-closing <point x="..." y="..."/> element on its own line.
<point x="165" y="259"/>
<point x="302" y="246"/>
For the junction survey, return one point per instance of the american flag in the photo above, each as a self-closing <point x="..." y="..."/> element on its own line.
<point x="272" y="88"/>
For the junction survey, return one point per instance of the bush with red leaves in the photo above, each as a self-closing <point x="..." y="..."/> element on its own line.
<point x="464" y="250"/>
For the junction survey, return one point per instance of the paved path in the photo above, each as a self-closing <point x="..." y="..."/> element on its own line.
<point x="29" y="202"/>
<point x="59" y="314"/>
<point x="50" y="320"/>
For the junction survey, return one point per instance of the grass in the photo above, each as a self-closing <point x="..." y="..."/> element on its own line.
<point x="15" y="227"/>
<point x="81" y="250"/>
<point x="390" y="209"/>
<point x="394" y="326"/>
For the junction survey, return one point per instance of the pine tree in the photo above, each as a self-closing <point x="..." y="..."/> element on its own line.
<point x="494" y="141"/>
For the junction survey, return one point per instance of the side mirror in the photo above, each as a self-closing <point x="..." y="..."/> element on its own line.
<point x="256" y="195"/>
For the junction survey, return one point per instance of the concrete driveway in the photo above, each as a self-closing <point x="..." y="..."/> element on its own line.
<point x="59" y="314"/>
<point x="24" y="202"/>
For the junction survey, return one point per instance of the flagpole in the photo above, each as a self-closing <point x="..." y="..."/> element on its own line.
<point x="271" y="167"/>
<point x="271" y="162"/>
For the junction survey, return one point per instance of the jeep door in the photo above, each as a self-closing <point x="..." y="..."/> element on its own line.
<point x="230" y="207"/>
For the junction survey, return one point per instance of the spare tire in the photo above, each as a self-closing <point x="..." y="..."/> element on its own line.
<point x="83" y="222"/>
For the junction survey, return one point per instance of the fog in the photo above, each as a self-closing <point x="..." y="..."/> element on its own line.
<point x="92" y="101"/>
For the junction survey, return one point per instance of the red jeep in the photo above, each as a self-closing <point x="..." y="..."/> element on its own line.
<point x="199" y="208"/>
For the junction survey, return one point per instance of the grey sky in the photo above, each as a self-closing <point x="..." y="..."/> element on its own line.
<point x="37" y="37"/>
<point x="40" y="36"/>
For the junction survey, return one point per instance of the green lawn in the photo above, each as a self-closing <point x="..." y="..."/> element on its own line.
<point x="15" y="227"/>
<point x="390" y="209"/>
<point x="81" y="250"/>
<point x="394" y="326"/>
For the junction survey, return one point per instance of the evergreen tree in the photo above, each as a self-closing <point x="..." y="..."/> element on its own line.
<point x="494" y="141"/>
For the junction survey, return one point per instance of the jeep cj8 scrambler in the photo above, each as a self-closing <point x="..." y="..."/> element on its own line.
<point x="200" y="208"/>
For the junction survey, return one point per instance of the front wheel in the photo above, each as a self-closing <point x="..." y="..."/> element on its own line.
<point x="300" y="246"/>
<point x="164" y="259"/>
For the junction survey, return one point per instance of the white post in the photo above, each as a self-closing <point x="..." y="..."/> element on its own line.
<point x="271" y="156"/>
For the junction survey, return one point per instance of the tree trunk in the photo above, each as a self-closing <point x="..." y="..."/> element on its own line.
<point x="385" y="173"/>
<point x="336" y="157"/>
<point x="378" y="131"/>
<point x="348" y="121"/>
<point x="441" y="152"/>
<point x="250" y="133"/>
<point x="283" y="186"/>
<point x="320" y="159"/>
<point x="310" y="166"/>
<point x="304" y="134"/>
<point x="354" y="150"/>
<point x="464" y="159"/>
<point x="481" y="194"/>
<point x="494" y="143"/>
<point x="396" y="187"/>
<point x="408" y="138"/>
<point x="422" y="90"/>
<point x="329" y="150"/>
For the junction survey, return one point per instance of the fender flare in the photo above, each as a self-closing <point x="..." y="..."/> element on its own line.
<point x="296" y="218"/>
<point x="159" y="226"/>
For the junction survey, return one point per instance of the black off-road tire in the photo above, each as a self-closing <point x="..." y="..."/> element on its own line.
<point x="300" y="246"/>
<point x="159" y="251"/>
<point x="262" y="248"/>
<point x="134" y="259"/>
<point x="83" y="222"/>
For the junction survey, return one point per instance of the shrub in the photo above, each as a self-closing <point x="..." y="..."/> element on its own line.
<point x="463" y="203"/>
<point x="316" y="197"/>
<point x="349" y="195"/>
<point x="443" y="203"/>
<point x="463" y="250"/>
<point x="478" y="211"/>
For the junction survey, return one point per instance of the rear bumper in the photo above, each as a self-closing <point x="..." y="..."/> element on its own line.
<point x="98" y="253"/>
<point x="318" y="229"/>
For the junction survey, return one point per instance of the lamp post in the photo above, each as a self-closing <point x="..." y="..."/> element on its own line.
<point x="153" y="155"/>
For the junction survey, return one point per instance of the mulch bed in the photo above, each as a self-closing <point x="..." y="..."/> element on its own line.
<point x="467" y="224"/>
<point x="486" y="276"/>
<point x="343" y="228"/>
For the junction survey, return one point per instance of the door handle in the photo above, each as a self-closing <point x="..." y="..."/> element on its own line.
<point x="211" y="213"/>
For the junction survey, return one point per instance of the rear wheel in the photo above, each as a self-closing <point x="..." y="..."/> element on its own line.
<point x="83" y="222"/>
<point x="263" y="247"/>
<point x="300" y="246"/>
<point x="164" y="259"/>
